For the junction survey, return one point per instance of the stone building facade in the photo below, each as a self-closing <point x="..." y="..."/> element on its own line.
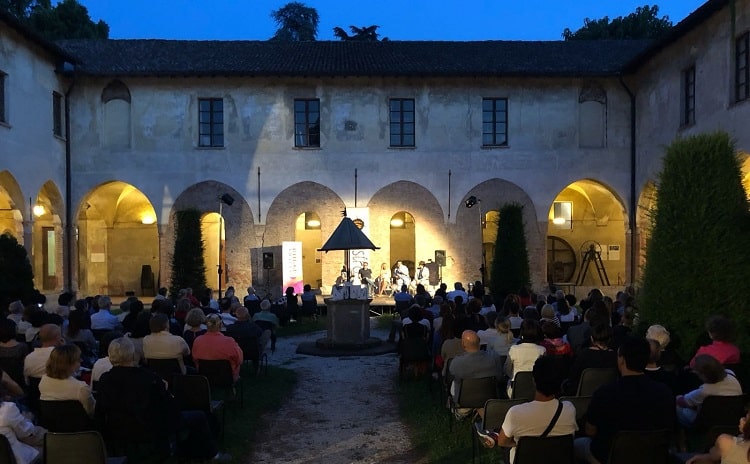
<point x="402" y="133"/>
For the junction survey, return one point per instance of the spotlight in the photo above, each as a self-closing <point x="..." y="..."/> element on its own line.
<point x="227" y="199"/>
<point x="471" y="201"/>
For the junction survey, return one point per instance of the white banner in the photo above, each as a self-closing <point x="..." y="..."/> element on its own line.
<point x="360" y="216"/>
<point x="291" y="266"/>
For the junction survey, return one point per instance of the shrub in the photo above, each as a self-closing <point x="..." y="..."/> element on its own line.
<point x="510" y="266"/>
<point x="698" y="256"/>
<point x="16" y="275"/>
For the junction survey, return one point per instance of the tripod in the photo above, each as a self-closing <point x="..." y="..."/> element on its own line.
<point x="592" y="255"/>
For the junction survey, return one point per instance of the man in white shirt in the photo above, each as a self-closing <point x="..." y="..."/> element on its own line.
<point x="163" y="345"/>
<point x="422" y="276"/>
<point x="533" y="419"/>
<point x="35" y="363"/>
<point x="103" y="319"/>
<point x="458" y="290"/>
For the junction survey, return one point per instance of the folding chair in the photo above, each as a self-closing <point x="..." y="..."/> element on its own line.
<point x="413" y="350"/>
<point x="523" y="386"/>
<point x="193" y="393"/>
<point x="252" y="353"/>
<point x="641" y="446"/>
<point x="164" y="368"/>
<point x="716" y="412"/>
<point x="594" y="377"/>
<point x="494" y="416"/>
<point x="538" y="450"/>
<point x="581" y="403"/>
<point x="219" y="374"/>
<point x="472" y="394"/>
<point x="64" y="416"/>
<point x="71" y="448"/>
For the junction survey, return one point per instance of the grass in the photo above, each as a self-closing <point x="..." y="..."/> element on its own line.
<point x="303" y="325"/>
<point x="428" y="423"/>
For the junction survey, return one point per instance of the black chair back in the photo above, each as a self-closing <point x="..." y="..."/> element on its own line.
<point x="594" y="377"/>
<point x="14" y="368"/>
<point x="581" y="403"/>
<point x="524" y="386"/>
<point x="495" y="411"/>
<point x="252" y="352"/>
<point x="32" y="394"/>
<point x="538" y="450"/>
<point x="219" y="374"/>
<point x="641" y="446"/>
<point x="6" y="452"/>
<point x="474" y="393"/>
<point x="192" y="393"/>
<point x="253" y="306"/>
<point x="64" y="416"/>
<point x="164" y="368"/>
<point x="71" y="448"/>
<point x="309" y="307"/>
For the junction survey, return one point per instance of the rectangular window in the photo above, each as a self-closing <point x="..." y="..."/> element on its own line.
<point x="402" y="122"/>
<point x="3" y="116"/>
<point x="211" y="122"/>
<point x="741" y="68"/>
<point x="688" y="96"/>
<point x="307" y="123"/>
<point x="494" y="122"/>
<point x="57" y="115"/>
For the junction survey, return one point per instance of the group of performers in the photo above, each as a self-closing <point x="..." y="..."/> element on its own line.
<point x="400" y="276"/>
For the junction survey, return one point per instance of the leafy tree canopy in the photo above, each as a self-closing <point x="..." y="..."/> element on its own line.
<point x="68" y="19"/>
<point x="644" y="23"/>
<point x="364" y="34"/>
<point x="296" y="22"/>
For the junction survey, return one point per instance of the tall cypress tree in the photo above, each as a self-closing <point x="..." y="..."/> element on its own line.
<point x="16" y="275"/>
<point x="188" y="265"/>
<point x="510" y="266"/>
<point x="698" y="256"/>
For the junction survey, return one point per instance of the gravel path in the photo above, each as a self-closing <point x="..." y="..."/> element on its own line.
<point x="344" y="410"/>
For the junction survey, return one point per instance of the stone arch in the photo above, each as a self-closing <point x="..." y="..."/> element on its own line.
<point x="112" y="218"/>
<point x="281" y="220"/>
<point x="598" y="217"/>
<point x="12" y="207"/>
<point x="238" y="229"/>
<point x="47" y="237"/>
<point x="469" y="234"/>
<point x="421" y="204"/>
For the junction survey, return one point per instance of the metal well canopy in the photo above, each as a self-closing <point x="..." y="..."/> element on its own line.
<point x="348" y="236"/>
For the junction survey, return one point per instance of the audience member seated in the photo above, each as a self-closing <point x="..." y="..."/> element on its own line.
<point x="58" y="383"/>
<point x="450" y="345"/>
<point x="104" y="319"/>
<point x="245" y="328"/>
<point x="215" y="345"/>
<point x="655" y="371"/>
<point x="35" y="363"/>
<point x="719" y="329"/>
<point x="26" y="440"/>
<point x="130" y="319"/>
<point x="597" y="355"/>
<point x="473" y="364"/>
<point x="163" y="345"/>
<point x="624" y="328"/>
<point x="134" y="407"/>
<point x="567" y="314"/>
<point x="267" y="321"/>
<point x="37" y="318"/>
<point x="668" y="358"/>
<point x="458" y="290"/>
<point x="717" y="381"/>
<point x="12" y="352"/>
<point x="521" y="357"/>
<point x="548" y="314"/>
<point x="553" y="341"/>
<point x="532" y="419"/>
<point x="228" y="308"/>
<point x="500" y="344"/>
<point x="15" y="314"/>
<point x="475" y="321"/>
<point x="728" y="449"/>
<point x="634" y="402"/>
<point x="84" y="338"/>
<point x="195" y="326"/>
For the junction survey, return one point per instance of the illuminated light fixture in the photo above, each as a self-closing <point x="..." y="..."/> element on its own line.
<point x="39" y="210"/>
<point x="312" y="221"/>
<point x="562" y="213"/>
<point x="397" y="222"/>
<point x="148" y="219"/>
<point x="471" y="201"/>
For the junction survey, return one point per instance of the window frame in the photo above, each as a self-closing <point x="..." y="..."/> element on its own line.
<point x="57" y="114"/>
<point x="3" y="99"/>
<point x="494" y="122"/>
<point x="687" y="116"/>
<point x="742" y="67"/>
<point x="215" y="139"/>
<point x="401" y="123"/>
<point x="305" y="133"/>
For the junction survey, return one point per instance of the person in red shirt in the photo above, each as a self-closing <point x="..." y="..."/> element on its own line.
<point x="214" y="345"/>
<point x="719" y="328"/>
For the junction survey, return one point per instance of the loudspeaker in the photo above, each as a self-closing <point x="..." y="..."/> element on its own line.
<point x="440" y="257"/>
<point x="268" y="260"/>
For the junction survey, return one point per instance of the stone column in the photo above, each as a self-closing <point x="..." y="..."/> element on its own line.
<point x="28" y="230"/>
<point x="163" y="276"/>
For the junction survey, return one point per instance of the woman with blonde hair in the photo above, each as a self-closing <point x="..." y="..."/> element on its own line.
<point x="59" y="384"/>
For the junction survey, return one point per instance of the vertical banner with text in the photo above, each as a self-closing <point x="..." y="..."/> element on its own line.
<point x="361" y="218"/>
<point x="291" y="266"/>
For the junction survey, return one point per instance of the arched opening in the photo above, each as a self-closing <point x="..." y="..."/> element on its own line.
<point x="47" y="238"/>
<point x="117" y="237"/>
<point x="489" y="236"/>
<point x="214" y="249"/>
<point x="307" y="230"/>
<point x="11" y="205"/>
<point x="403" y="240"/>
<point x="583" y="214"/>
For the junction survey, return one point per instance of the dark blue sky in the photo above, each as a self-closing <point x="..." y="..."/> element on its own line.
<point x="398" y="19"/>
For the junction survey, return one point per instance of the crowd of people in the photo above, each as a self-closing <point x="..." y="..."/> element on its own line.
<point x="557" y="337"/>
<point x="84" y="350"/>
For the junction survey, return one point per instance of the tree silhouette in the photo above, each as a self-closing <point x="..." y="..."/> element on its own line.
<point x="363" y="34"/>
<point x="644" y="23"/>
<point x="297" y="22"/>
